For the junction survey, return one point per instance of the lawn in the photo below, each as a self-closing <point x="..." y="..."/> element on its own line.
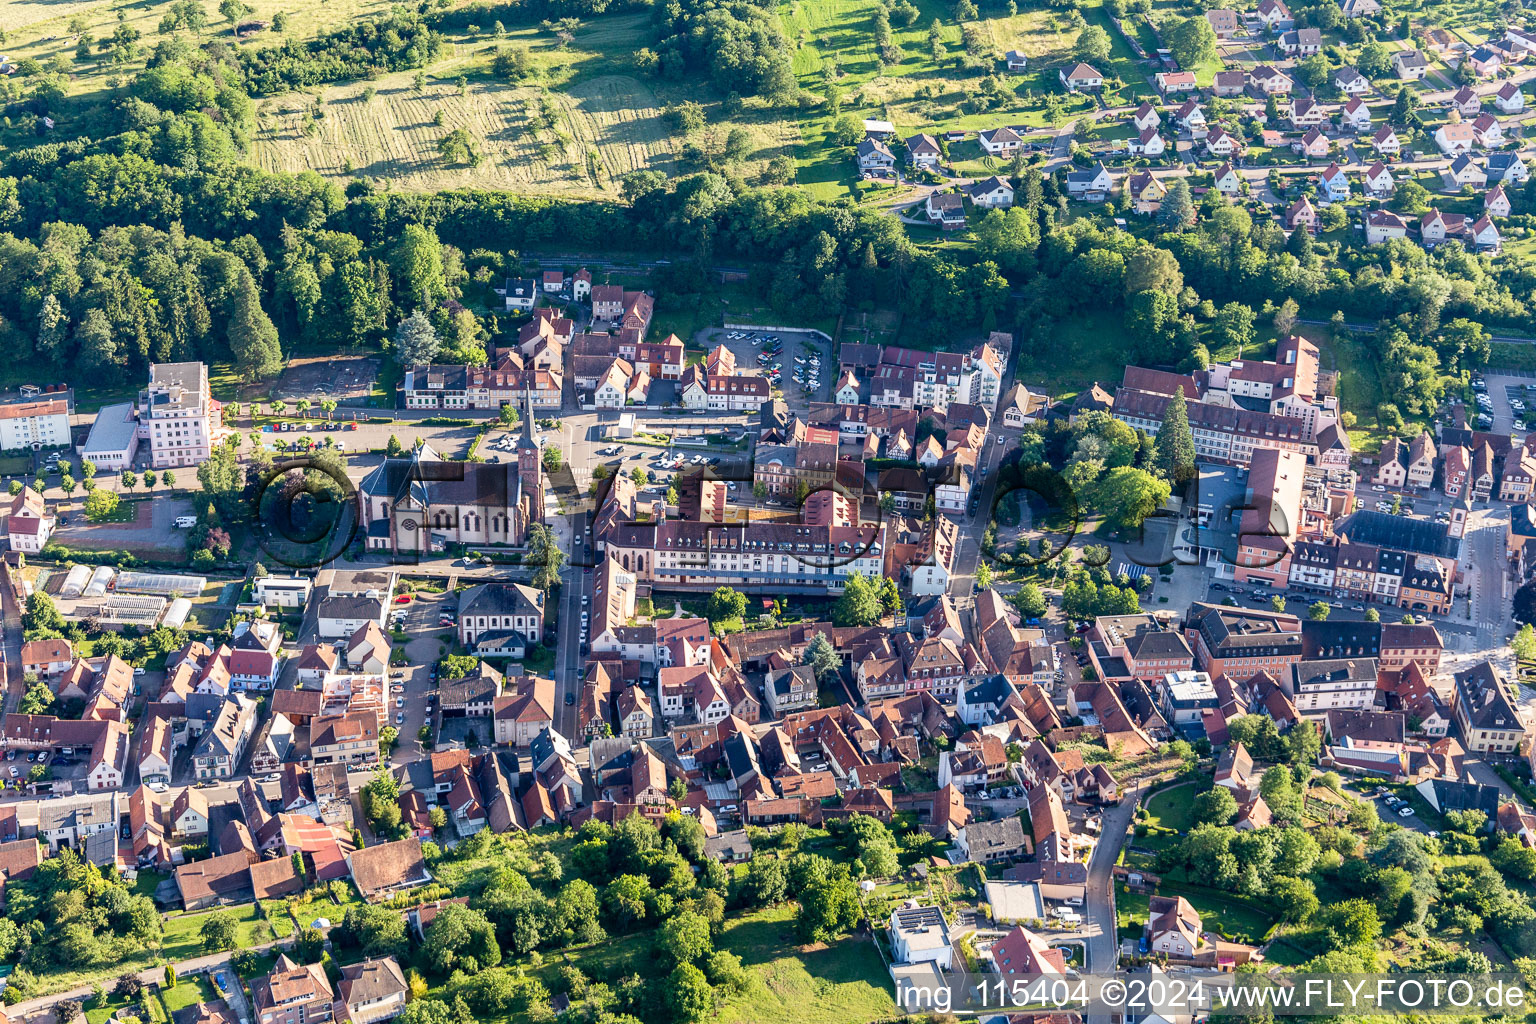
<point x="183" y="932"/>
<point x="790" y="984"/>
<point x="1130" y="913"/>
<point x="1237" y="921"/>
<point x="188" y="991"/>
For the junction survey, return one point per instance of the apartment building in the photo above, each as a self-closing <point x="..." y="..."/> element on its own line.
<point x="36" y="417"/>
<point x="1484" y="713"/>
<point x="177" y="414"/>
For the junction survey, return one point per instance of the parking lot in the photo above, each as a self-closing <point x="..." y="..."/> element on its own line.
<point x="798" y="363"/>
<point x="1503" y="402"/>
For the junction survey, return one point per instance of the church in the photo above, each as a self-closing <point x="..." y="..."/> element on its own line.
<point x="422" y="503"/>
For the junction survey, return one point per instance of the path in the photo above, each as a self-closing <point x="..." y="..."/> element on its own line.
<point x="149" y="976"/>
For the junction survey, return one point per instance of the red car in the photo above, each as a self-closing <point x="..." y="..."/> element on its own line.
<point x="403" y="599"/>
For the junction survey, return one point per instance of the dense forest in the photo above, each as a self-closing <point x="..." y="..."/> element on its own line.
<point x="152" y="240"/>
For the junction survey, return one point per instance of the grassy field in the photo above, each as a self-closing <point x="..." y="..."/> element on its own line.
<point x="833" y="40"/>
<point x="183" y="938"/>
<point x="825" y="984"/>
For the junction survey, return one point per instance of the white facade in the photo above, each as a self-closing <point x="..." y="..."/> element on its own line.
<point x="176" y="413"/>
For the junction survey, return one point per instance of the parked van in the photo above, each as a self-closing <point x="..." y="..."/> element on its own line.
<point x="185" y="522"/>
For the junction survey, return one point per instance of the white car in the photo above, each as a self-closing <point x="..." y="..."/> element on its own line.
<point x="1406" y="812"/>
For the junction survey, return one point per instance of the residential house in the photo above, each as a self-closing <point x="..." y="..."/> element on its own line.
<point x="1275" y="15"/>
<point x="1147" y="143"/>
<point x="1080" y="78"/>
<point x="1386" y="142"/>
<point x="1487" y="130"/>
<point x="1454" y="139"/>
<point x="1334" y="184"/>
<point x="1224" y="22"/>
<point x="1002" y="141"/>
<point x="992" y="842"/>
<point x="923" y="151"/>
<point x="1410" y="65"/>
<point x="1355" y="115"/>
<point x="1484" y="713"/>
<point x="1466" y="102"/>
<point x="1170" y="82"/>
<point x="1378" y="180"/>
<point x="372" y="990"/>
<point x="1145" y="191"/>
<point x="1093" y="184"/>
<point x="1301" y="215"/>
<point x="1509" y="99"/>
<point x="1350" y="82"/>
<point x="293" y="994"/>
<point x="1383" y="226"/>
<point x="1227" y="180"/>
<point x="874" y="155"/>
<point x="384" y="869"/>
<point x="1301" y="42"/>
<point x="1507" y="169"/>
<point x="992" y="193"/>
<point x="946" y="209"/>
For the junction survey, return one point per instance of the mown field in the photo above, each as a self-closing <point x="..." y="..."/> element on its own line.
<point x="833" y="41"/>
<point x="584" y="118"/>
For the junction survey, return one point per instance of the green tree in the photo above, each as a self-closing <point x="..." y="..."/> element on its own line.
<point x="1030" y="601"/>
<point x="100" y="505"/>
<point x="684" y="938"/>
<point x="1192" y="41"/>
<point x="416" y="340"/>
<point x="1215" y="806"/>
<point x="1173" y="451"/>
<point x="1177" y="212"/>
<point x="460" y="938"/>
<point x="1319" y="611"/>
<point x="1524" y="643"/>
<point x="688" y="995"/>
<point x="828" y="908"/>
<point x="552" y="458"/>
<point x="1128" y="495"/>
<point x="1093" y="45"/>
<point x="219" y="932"/>
<point x="726" y="604"/>
<point x="1277" y="603"/>
<point x="822" y="656"/>
<point x="859" y="604"/>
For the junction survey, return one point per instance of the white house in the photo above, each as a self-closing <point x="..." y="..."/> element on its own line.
<point x="282" y="591"/>
<point x="520" y="294"/>
<point x="1146" y="116"/>
<point x="1148" y="143"/>
<point x="1334" y="183"/>
<point x="1080" y="78"/>
<point x="1002" y="141"/>
<point x="1355" y="115"/>
<point x="1484" y="235"/>
<point x="1488" y="131"/>
<point x="1383" y="225"/>
<point x="1455" y="139"/>
<point x="1350" y="82"/>
<point x="1507" y="168"/>
<point x="1386" y="142"/>
<point x="1228" y="182"/>
<point x="1509" y="99"/>
<point x="1378" y="180"/>
<point x="920" y="935"/>
<point x="992" y="193"/>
